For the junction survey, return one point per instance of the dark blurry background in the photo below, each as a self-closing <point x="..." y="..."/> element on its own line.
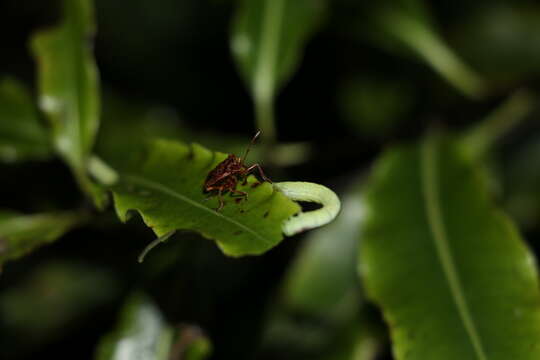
<point x="350" y="98"/>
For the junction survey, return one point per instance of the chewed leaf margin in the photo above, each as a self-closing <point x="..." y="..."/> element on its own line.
<point x="164" y="184"/>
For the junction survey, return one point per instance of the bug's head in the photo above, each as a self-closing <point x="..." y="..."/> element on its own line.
<point x="243" y="158"/>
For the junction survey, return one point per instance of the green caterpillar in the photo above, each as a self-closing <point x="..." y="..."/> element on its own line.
<point x="305" y="191"/>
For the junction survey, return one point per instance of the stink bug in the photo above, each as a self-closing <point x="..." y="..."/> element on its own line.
<point x="226" y="175"/>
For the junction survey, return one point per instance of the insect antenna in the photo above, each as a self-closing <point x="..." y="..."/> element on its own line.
<point x="249" y="146"/>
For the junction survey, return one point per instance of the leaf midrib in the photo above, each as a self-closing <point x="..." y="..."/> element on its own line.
<point x="429" y="181"/>
<point x="168" y="191"/>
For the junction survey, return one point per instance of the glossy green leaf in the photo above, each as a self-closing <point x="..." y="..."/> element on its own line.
<point x="69" y="88"/>
<point x="20" y="234"/>
<point x="22" y="136"/>
<point x="164" y="183"/>
<point x="267" y="40"/>
<point x="141" y="334"/>
<point x="450" y="272"/>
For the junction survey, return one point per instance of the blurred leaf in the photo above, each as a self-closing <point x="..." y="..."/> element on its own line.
<point x="141" y="334"/>
<point x="165" y="182"/>
<point x="20" y="234"/>
<point x="318" y="315"/>
<point x="502" y="40"/>
<point x="357" y="343"/>
<point x="191" y="344"/>
<point x="374" y="106"/>
<point x="69" y="89"/>
<point x="451" y="273"/>
<point x="22" y="136"/>
<point x="49" y="300"/>
<point x="128" y="123"/>
<point x="407" y="25"/>
<point x="322" y="280"/>
<point x="267" y="39"/>
<point x="482" y="136"/>
<point x="522" y="176"/>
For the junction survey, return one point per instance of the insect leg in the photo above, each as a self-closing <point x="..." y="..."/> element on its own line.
<point x="258" y="167"/>
<point x="221" y="202"/>
<point x="241" y="193"/>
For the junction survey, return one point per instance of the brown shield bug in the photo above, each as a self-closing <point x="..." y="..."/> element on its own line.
<point x="226" y="175"/>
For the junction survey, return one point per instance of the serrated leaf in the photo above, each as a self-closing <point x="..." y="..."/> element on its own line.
<point x="20" y="234"/>
<point x="165" y="182"/>
<point x="268" y="37"/>
<point x="22" y="136"/>
<point x="141" y="334"/>
<point x="451" y="273"/>
<point x="69" y="88"/>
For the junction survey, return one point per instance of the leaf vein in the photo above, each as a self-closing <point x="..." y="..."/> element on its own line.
<point x="438" y="231"/>
<point x="166" y="190"/>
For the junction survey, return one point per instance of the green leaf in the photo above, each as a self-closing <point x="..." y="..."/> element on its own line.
<point x="318" y="312"/>
<point x="322" y="280"/>
<point x="69" y="88"/>
<point x="267" y="40"/>
<point x="20" y="234"/>
<point x="22" y="136"/>
<point x="124" y="120"/>
<point x="164" y="183"/>
<point x="506" y="57"/>
<point x="141" y="334"/>
<point x="451" y="273"/>
<point x="268" y="37"/>
<point x="407" y="25"/>
<point x="521" y="175"/>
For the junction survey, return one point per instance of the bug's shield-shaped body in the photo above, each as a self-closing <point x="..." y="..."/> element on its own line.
<point x="228" y="168"/>
<point x="225" y="177"/>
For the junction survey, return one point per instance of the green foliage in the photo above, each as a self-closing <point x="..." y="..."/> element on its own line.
<point x="165" y="182"/>
<point x="521" y="184"/>
<point x="20" y="234"/>
<point x="22" y="136"/>
<point x="322" y="279"/>
<point x="141" y="333"/>
<point x="450" y="272"/>
<point x="69" y="88"/>
<point x="498" y="39"/>
<point x="268" y="37"/>
<point x="318" y="313"/>
<point x="266" y="42"/>
<point x="406" y="26"/>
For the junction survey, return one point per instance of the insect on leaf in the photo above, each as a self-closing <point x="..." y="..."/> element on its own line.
<point x="164" y="183"/>
<point x="69" y="88"/>
<point x="450" y="272"/>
